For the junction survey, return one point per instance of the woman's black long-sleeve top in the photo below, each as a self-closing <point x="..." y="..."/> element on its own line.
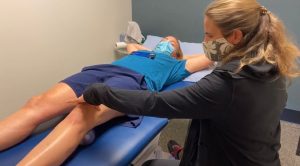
<point x="235" y="116"/>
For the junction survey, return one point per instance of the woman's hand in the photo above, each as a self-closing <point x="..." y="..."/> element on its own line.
<point x="82" y="103"/>
<point x="79" y="100"/>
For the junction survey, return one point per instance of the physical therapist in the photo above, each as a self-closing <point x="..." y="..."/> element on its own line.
<point x="236" y="109"/>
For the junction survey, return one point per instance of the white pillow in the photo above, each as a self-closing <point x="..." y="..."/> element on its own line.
<point x="187" y="49"/>
<point x="151" y="41"/>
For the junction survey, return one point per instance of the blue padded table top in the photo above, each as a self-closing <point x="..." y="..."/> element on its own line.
<point x="116" y="145"/>
<point x="177" y="85"/>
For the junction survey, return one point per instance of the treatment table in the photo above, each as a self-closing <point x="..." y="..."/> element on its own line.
<point x="115" y="145"/>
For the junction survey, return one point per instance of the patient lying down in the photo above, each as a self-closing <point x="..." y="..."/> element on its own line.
<point x="142" y="69"/>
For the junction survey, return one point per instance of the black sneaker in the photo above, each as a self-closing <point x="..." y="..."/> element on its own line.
<point x="174" y="149"/>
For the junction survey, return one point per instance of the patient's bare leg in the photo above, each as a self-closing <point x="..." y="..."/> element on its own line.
<point x="38" y="109"/>
<point x="66" y="136"/>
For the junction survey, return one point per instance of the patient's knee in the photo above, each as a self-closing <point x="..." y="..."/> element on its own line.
<point x="30" y="109"/>
<point x="34" y="102"/>
<point x="36" y="107"/>
<point x="82" y="115"/>
<point x="75" y="117"/>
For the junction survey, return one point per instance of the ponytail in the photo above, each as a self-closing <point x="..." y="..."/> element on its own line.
<point x="264" y="36"/>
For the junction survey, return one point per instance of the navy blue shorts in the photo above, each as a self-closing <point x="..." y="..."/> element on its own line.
<point x="113" y="76"/>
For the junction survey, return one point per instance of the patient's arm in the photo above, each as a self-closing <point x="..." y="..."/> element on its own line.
<point x="135" y="47"/>
<point x="186" y="57"/>
<point x="197" y="62"/>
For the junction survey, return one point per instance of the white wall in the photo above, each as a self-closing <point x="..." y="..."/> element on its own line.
<point x="43" y="41"/>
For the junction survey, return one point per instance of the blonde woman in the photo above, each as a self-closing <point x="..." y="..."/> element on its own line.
<point x="235" y="110"/>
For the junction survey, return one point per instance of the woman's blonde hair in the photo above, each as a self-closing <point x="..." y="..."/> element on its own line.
<point x="264" y="37"/>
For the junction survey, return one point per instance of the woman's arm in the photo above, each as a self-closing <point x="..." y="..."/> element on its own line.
<point x="204" y="99"/>
<point x="186" y="57"/>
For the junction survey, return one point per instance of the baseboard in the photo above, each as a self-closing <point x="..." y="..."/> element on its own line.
<point x="291" y="116"/>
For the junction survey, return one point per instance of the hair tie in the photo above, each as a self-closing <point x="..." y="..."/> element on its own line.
<point x="264" y="10"/>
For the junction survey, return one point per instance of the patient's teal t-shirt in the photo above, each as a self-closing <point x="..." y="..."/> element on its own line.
<point x="159" y="71"/>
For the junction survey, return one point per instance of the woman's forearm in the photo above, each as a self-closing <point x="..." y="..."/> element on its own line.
<point x="187" y="102"/>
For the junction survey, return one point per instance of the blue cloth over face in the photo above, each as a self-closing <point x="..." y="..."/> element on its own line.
<point x="164" y="47"/>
